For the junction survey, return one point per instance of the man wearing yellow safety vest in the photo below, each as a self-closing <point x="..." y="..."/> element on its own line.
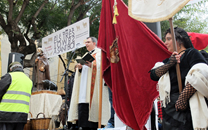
<point x="15" y="92"/>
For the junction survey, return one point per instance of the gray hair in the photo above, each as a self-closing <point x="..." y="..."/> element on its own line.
<point x="94" y="39"/>
<point x="16" y="66"/>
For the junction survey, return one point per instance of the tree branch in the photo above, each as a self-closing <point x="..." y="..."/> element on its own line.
<point x="41" y="7"/>
<point x="54" y="5"/>
<point x="72" y="4"/>
<point x="72" y="10"/>
<point x="34" y="25"/>
<point x="77" y="5"/>
<point x="15" y="2"/>
<point x="85" y="2"/>
<point x="91" y="21"/>
<point x="82" y="14"/>
<point x="27" y="38"/>
<point x="91" y="5"/>
<point x="8" y="31"/>
<point x="36" y="35"/>
<point x="25" y="3"/>
<point x="28" y="29"/>
<point x="94" y="14"/>
<point x="12" y="40"/>
<point x="18" y="35"/>
<point x="2" y="22"/>
<point x="31" y="48"/>
<point x="10" y="10"/>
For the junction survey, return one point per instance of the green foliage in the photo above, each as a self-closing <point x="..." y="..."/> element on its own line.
<point x="192" y="18"/>
<point x="164" y="26"/>
<point x="206" y="49"/>
<point x="54" y="16"/>
<point x="125" y="1"/>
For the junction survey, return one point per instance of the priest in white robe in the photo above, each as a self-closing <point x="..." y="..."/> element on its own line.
<point x="84" y="105"/>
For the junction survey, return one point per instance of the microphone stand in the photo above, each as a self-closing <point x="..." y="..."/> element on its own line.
<point x="66" y="86"/>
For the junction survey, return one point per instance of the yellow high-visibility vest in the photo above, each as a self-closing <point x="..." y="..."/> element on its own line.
<point x="17" y="97"/>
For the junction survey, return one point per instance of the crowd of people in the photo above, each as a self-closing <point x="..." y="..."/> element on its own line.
<point x="177" y="110"/>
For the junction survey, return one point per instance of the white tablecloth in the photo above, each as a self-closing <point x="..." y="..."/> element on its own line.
<point x="49" y="104"/>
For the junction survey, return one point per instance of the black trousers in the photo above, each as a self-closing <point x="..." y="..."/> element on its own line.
<point x="12" y="126"/>
<point x="83" y="115"/>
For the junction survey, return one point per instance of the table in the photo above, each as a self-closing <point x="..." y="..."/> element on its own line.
<point x="47" y="103"/>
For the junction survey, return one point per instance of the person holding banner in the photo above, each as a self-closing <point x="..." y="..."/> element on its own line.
<point x="186" y="110"/>
<point x="84" y="105"/>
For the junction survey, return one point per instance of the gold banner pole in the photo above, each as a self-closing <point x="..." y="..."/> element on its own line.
<point x="100" y="95"/>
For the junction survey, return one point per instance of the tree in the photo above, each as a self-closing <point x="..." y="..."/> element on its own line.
<point x="13" y="12"/>
<point x="192" y="18"/>
<point x="29" y="20"/>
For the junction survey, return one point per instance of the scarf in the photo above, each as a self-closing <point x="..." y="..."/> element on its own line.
<point x="198" y="78"/>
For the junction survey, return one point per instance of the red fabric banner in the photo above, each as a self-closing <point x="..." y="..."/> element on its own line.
<point x="139" y="49"/>
<point x="199" y="41"/>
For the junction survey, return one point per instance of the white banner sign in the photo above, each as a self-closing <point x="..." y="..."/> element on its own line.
<point x="154" y="10"/>
<point x="67" y="39"/>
